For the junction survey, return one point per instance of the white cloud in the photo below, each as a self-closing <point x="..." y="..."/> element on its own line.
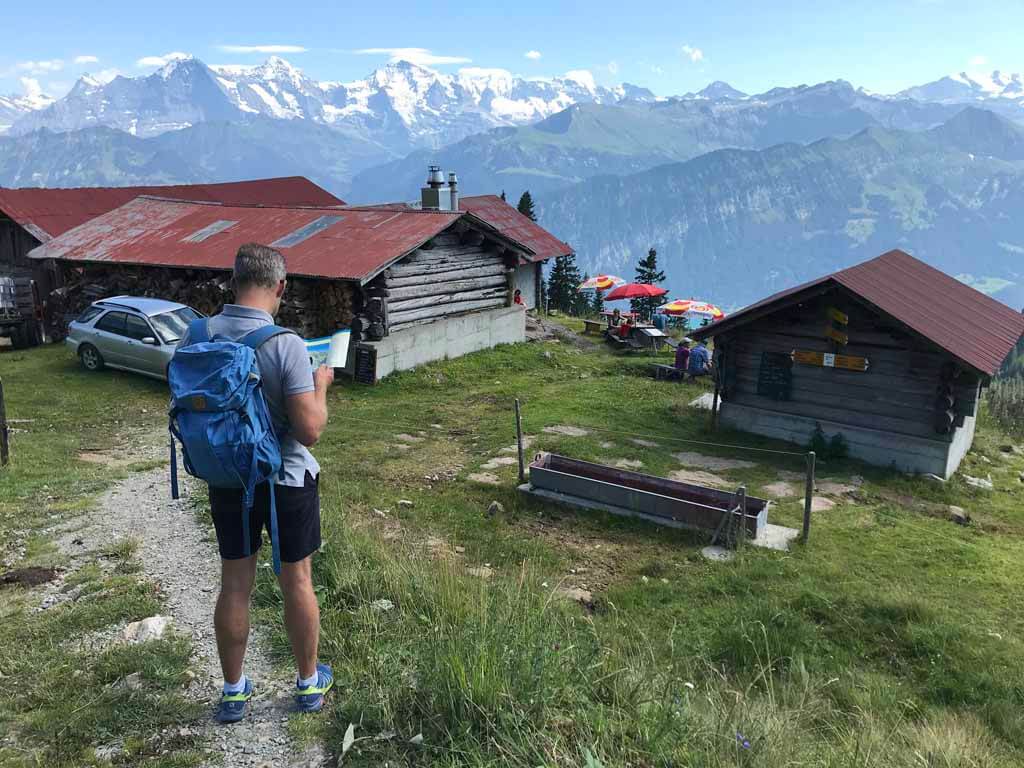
<point x="657" y="70"/>
<point x="263" y="48"/>
<point x="612" y="67"/>
<point x="978" y="61"/>
<point x="106" y="75"/>
<point x="582" y="76"/>
<point x="693" y="54"/>
<point x="533" y="55"/>
<point x="421" y="56"/>
<point x="86" y="59"/>
<point x="159" y="61"/>
<point x="40" y="67"/>
<point x="32" y="87"/>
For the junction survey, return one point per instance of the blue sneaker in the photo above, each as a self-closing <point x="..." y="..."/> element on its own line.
<point x="233" y="705"/>
<point x="311" y="699"/>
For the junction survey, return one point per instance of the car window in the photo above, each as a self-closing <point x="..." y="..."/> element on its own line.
<point x="89" y="314"/>
<point x="112" y="322"/>
<point x="172" y="325"/>
<point x="137" y="328"/>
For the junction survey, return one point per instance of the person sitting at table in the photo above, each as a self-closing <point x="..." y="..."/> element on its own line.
<point x="700" y="361"/>
<point x="658" y="321"/>
<point x="615" y="319"/>
<point x="683" y="355"/>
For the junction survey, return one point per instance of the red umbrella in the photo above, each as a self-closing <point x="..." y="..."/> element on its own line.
<point x="635" y="291"/>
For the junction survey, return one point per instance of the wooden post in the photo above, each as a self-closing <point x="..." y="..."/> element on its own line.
<point x="808" y="494"/>
<point x="5" y="446"/>
<point x="743" y="514"/>
<point x="519" y="443"/>
<point x="714" y="405"/>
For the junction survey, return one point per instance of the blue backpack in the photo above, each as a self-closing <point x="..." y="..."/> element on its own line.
<point x="220" y="417"/>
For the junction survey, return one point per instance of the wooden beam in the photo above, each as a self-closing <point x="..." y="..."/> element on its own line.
<point x="453" y="297"/>
<point x="417" y="276"/>
<point x="450" y="286"/>
<point x="400" y="318"/>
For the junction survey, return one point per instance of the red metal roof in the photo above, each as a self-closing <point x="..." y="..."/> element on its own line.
<point x="46" y="213"/>
<point x="973" y="327"/>
<point x="515" y="226"/>
<point x="164" y="232"/>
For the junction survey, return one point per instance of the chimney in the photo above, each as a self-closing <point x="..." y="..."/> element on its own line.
<point x="435" y="196"/>
<point x="453" y="190"/>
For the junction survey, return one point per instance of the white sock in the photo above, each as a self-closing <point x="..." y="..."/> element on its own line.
<point x="308" y="682"/>
<point x="233" y="688"/>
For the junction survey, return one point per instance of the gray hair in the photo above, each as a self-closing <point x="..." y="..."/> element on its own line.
<point x="258" y="266"/>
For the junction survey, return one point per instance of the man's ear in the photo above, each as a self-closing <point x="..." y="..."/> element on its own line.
<point x="280" y="288"/>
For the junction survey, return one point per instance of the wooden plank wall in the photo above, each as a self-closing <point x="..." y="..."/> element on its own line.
<point x="455" y="274"/>
<point x="896" y="394"/>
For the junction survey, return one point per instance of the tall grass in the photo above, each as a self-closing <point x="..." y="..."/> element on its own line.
<point x="1006" y="404"/>
<point x="501" y="672"/>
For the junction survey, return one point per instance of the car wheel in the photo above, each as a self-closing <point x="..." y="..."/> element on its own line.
<point x="91" y="358"/>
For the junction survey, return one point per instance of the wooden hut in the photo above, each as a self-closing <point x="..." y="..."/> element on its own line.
<point x="892" y="354"/>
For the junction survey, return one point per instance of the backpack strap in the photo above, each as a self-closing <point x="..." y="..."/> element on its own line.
<point x="199" y="331"/>
<point x="257" y="338"/>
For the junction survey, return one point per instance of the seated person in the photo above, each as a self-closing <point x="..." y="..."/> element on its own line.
<point x="615" y="319"/>
<point x="625" y="328"/>
<point x="517" y="298"/>
<point x="700" y="361"/>
<point x="658" y="321"/>
<point x="683" y="355"/>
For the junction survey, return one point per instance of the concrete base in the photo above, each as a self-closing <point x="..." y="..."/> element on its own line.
<point x="449" y="338"/>
<point x="886" y="449"/>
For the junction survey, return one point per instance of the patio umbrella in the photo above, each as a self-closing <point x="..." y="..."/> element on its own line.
<point x="600" y="283"/>
<point x="692" y="308"/>
<point x="635" y="291"/>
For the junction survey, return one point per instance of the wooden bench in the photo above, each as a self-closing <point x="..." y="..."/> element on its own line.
<point x="668" y="372"/>
<point x="593" y="325"/>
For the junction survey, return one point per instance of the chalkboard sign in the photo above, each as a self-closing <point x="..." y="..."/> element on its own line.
<point x="366" y="365"/>
<point x="775" y="377"/>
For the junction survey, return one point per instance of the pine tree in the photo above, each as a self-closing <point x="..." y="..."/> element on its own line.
<point x="597" y="306"/>
<point x="647" y="272"/>
<point x="525" y="206"/>
<point x="563" y="283"/>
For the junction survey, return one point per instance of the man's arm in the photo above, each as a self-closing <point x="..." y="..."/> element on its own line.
<point x="307" y="411"/>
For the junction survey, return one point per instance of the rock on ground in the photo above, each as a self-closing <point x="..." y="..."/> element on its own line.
<point x="487" y="478"/>
<point x="644" y="443"/>
<point x="714" y="463"/>
<point x="629" y="464"/>
<point x="500" y="461"/>
<point x="821" y="504"/>
<point x="569" y="431"/>
<point x="145" y="630"/>
<point x="780" y="490"/>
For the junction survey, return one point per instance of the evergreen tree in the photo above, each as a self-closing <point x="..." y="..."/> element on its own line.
<point x="597" y="306"/>
<point x="563" y="283"/>
<point x="525" y="206"/>
<point x="647" y="272"/>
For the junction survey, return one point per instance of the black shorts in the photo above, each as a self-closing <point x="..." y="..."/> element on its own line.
<point x="298" y="519"/>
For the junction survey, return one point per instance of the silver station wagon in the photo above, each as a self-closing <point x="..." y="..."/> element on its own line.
<point x="129" y="333"/>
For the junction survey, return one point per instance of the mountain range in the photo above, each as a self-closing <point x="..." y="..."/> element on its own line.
<point x="740" y="193"/>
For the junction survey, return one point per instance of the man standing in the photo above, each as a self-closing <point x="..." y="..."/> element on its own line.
<point x="296" y="397"/>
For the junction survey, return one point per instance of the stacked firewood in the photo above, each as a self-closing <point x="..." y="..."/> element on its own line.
<point x="310" y="307"/>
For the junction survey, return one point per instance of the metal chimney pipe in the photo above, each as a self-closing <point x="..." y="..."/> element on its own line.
<point x="453" y="187"/>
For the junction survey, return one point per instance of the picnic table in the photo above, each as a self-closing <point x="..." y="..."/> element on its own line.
<point x="593" y="325"/>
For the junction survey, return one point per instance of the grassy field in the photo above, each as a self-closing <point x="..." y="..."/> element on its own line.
<point x="893" y="639"/>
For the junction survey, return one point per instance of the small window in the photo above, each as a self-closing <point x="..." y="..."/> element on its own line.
<point x="137" y="328"/>
<point x="306" y="231"/>
<point x="112" y="322"/>
<point x="209" y="231"/>
<point x="88" y="315"/>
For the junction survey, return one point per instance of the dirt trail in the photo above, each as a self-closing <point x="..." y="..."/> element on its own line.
<point x="178" y="555"/>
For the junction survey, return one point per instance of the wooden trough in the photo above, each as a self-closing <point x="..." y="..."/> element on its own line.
<point x="657" y="499"/>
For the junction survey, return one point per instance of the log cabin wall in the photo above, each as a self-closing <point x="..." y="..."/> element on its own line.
<point x="911" y="388"/>
<point x="15" y="243"/>
<point x="452" y="274"/>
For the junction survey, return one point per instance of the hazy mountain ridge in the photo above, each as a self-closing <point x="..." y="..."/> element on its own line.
<point x="789" y="213"/>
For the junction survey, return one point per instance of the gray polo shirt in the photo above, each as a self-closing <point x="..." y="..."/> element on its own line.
<point x="286" y="370"/>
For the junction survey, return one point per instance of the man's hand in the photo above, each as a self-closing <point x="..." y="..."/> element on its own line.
<point x="323" y="377"/>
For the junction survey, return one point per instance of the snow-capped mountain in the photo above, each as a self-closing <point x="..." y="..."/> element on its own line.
<point x="403" y="105"/>
<point x="15" y="106"/>
<point x="963" y="87"/>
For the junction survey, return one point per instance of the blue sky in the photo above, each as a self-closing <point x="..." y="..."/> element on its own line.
<point x="670" y="47"/>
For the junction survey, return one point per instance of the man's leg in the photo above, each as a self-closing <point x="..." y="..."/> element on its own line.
<point x="301" y="614"/>
<point x="231" y="616"/>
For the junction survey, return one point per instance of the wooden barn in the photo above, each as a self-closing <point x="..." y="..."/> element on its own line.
<point x="31" y="216"/>
<point x="414" y="284"/>
<point x="892" y="354"/>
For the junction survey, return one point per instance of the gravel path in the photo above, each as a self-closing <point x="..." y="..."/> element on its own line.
<point x="179" y="556"/>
